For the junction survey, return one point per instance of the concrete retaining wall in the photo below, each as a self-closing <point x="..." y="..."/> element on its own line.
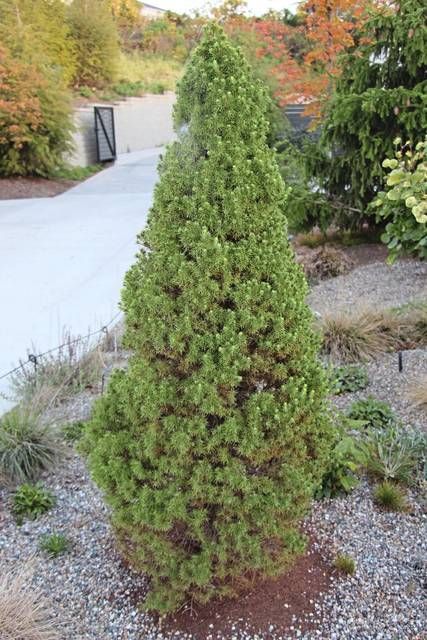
<point x="141" y="123"/>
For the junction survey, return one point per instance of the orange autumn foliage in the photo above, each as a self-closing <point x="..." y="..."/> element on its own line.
<point x="331" y="26"/>
<point x="35" y="118"/>
<point x="20" y="109"/>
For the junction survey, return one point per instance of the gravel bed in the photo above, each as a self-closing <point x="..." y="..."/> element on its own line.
<point x="93" y="593"/>
<point x="378" y="285"/>
<point x="386" y="383"/>
<point x="386" y="597"/>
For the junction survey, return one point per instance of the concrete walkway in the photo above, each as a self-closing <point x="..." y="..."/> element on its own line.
<point x="62" y="260"/>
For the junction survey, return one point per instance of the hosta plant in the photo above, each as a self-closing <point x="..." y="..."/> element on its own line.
<point x="374" y="413"/>
<point x="31" y="501"/>
<point x="403" y="204"/>
<point x="348" y="379"/>
<point x="341" y="475"/>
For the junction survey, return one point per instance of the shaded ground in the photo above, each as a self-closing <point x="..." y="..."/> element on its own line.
<point x="17" y="188"/>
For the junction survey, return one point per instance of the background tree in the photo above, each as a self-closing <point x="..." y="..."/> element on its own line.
<point x="96" y="41"/>
<point x="35" y="119"/>
<point x="380" y="95"/>
<point x="210" y="445"/>
<point x="330" y="27"/>
<point x="36" y="32"/>
<point x="126" y="14"/>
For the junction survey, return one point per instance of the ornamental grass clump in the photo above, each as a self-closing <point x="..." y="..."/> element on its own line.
<point x="210" y="445"/>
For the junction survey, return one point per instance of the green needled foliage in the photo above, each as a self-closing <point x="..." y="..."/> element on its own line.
<point x="210" y="446"/>
<point x="381" y="94"/>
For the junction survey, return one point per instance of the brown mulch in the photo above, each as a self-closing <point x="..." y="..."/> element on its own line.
<point x="362" y="254"/>
<point x="271" y="606"/>
<point x="17" y="188"/>
<point x="359" y="254"/>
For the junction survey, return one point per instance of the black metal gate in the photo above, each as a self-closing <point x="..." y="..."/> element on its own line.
<point x="105" y="134"/>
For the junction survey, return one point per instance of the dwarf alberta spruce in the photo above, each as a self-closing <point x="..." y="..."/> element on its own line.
<point x="210" y="445"/>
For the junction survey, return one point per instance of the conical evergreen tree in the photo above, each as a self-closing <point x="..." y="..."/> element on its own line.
<point x="210" y="445"/>
<point x="381" y="95"/>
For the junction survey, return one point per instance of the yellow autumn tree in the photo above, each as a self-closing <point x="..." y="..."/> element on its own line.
<point x="36" y="31"/>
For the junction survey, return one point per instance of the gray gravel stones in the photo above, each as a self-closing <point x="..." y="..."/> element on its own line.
<point x="377" y="285"/>
<point x="386" y="383"/>
<point x="386" y="597"/>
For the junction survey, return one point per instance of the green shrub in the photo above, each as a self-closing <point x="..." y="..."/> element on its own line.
<point x="345" y="564"/>
<point x="210" y="445"/>
<point x="73" y="431"/>
<point x="156" y="87"/>
<point x="126" y="88"/>
<point x="404" y="203"/>
<point x="395" y="454"/>
<point x="346" y="458"/>
<point x="379" y="95"/>
<point x="54" y="544"/>
<point x="349" y="379"/>
<point x="86" y="92"/>
<point x="77" y="173"/>
<point x="35" y="118"/>
<point x="374" y="413"/>
<point x="31" y="501"/>
<point x="37" y="33"/>
<point x="27" y="446"/>
<point x="96" y="42"/>
<point x="389" y="496"/>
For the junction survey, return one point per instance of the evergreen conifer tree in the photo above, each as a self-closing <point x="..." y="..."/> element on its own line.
<point x="209" y="446"/>
<point x="381" y="95"/>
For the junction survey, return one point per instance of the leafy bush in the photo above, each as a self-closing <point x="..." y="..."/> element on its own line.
<point x="349" y="379"/>
<point x="36" y="32"/>
<point x="210" y="445"/>
<point x="76" y="173"/>
<point x="306" y="205"/>
<point x="156" y="87"/>
<point x="96" y="42"/>
<point x="326" y="262"/>
<point x="380" y="95"/>
<point x="345" y="564"/>
<point x="54" y="544"/>
<point x="73" y="431"/>
<point x="24" y="611"/>
<point x="27" y="446"/>
<point x="345" y="460"/>
<point x="404" y="202"/>
<point x="148" y="70"/>
<point x="390" y="496"/>
<point x="86" y="92"/>
<point x="35" y="119"/>
<point x="126" y="88"/>
<point x="395" y="454"/>
<point x="374" y="413"/>
<point x="31" y="501"/>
